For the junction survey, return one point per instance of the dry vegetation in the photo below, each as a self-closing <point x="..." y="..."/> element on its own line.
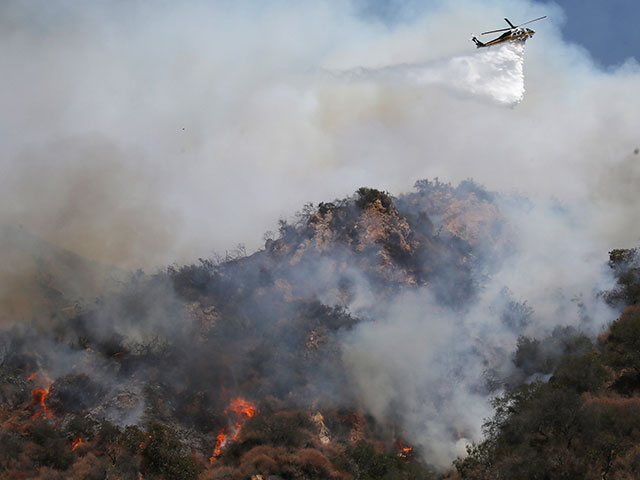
<point x="140" y="383"/>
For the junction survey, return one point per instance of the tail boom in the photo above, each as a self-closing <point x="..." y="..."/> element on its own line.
<point x="477" y="42"/>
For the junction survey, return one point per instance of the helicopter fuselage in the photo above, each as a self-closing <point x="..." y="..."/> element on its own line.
<point x="515" y="34"/>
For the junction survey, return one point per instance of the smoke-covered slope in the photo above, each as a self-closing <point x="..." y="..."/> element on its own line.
<point x="584" y="421"/>
<point x="366" y="336"/>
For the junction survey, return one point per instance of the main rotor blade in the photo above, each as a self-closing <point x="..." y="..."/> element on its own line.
<point x="531" y="21"/>
<point x="495" y="31"/>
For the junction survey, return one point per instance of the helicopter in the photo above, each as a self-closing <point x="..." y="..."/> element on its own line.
<point x="514" y="32"/>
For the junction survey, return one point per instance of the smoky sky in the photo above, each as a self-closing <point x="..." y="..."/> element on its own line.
<point x="140" y="134"/>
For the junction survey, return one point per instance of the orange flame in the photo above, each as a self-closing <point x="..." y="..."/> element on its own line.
<point x="32" y="376"/>
<point x="39" y="397"/>
<point x="221" y="441"/>
<point x="144" y="443"/>
<point x="242" y="410"/>
<point x="241" y="407"/>
<point x="77" y="441"/>
<point x="406" y="452"/>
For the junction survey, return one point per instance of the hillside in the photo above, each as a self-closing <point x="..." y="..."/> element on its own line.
<point x="584" y="422"/>
<point x="294" y="362"/>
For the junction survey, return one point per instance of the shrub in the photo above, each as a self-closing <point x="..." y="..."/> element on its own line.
<point x="623" y="345"/>
<point x="12" y="445"/>
<point x="290" y="429"/>
<point x="107" y="435"/>
<point x="80" y="425"/>
<point x="55" y="453"/>
<point x="368" y="196"/>
<point x="363" y="461"/>
<point x="314" y="464"/>
<point x="164" y="454"/>
<point x="89" y="467"/>
<point x="626" y="268"/>
<point x="132" y="439"/>
<point x="259" y="460"/>
<point x="41" y="431"/>
<point x="582" y="374"/>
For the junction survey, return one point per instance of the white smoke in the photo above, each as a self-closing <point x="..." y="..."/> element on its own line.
<point x="429" y="364"/>
<point x="496" y="73"/>
<point x="420" y="364"/>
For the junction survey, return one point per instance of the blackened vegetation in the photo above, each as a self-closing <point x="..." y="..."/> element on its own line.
<point x="584" y="422"/>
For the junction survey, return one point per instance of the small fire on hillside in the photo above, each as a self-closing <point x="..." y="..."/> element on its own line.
<point x="240" y="410"/>
<point x="77" y="441"/>
<point x="39" y="397"/>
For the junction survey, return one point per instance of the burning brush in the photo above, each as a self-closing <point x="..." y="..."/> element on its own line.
<point x="39" y="396"/>
<point x="240" y="411"/>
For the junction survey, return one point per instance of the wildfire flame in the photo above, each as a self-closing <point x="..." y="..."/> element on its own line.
<point x="406" y="452"/>
<point x="241" y="410"/>
<point x="142" y="445"/>
<point x="221" y="441"/>
<point x="39" y="397"/>
<point x="32" y="376"/>
<point x="77" y="441"/>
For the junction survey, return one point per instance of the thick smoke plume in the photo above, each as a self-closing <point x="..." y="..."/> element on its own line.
<point x="433" y="364"/>
<point x="130" y="131"/>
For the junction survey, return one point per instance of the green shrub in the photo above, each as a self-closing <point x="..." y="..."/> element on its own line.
<point x="582" y="374"/>
<point x="362" y="461"/>
<point x="623" y="345"/>
<point x="368" y="196"/>
<point x="626" y="268"/>
<point x="163" y="452"/>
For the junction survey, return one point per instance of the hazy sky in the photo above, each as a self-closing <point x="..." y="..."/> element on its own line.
<point x="142" y="133"/>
